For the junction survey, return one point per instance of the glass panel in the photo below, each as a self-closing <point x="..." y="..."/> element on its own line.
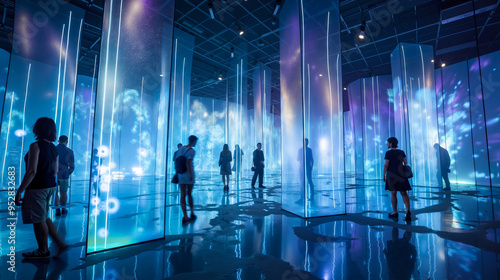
<point x="42" y="78"/>
<point x="127" y="202"/>
<point x="4" y="69"/>
<point x="415" y="109"/>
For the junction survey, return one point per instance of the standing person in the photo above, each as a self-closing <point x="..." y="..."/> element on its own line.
<point x="225" y="159"/>
<point x="237" y="156"/>
<point x="258" y="166"/>
<point x="175" y="153"/>
<point x="39" y="185"/>
<point x="443" y="167"/>
<point x="309" y="162"/>
<point x="184" y="162"/>
<point x="394" y="181"/>
<point x="66" y="167"/>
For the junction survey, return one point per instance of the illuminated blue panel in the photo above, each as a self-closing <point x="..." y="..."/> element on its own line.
<point x="4" y="69"/>
<point x="182" y="61"/>
<point x="490" y="74"/>
<point x="311" y="109"/>
<point x="262" y="112"/>
<point x="479" y="128"/>
<point x="207" y="120"/>
<point x="42" y="76"/>
<point x="238" y="128"/>
<point x="83" y="126"/>
<point x="126" y="202"/>
<point x="415" y="109"/>
<point x="371" y="103"/>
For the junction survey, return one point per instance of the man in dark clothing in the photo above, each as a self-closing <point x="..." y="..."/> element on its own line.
<point x="258" y="164"/>
<point x="443" y="167"/>
<point x="309" y="162"/>
<point x="66" y="167"/>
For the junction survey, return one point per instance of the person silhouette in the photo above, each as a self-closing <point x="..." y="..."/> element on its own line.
<point x="443" y="166"/>
<point x="237" y="157"/>
<point x="401" y="255"/>
<point x="258" y="164"/>
<point x="309" y="163"/>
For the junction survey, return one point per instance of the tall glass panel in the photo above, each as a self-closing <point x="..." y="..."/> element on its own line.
<point x="127" y="202"/>
<point x="83" y="127"/>
<point x="42" y="77"/>
<point x="349" y="145"/>
<point x="415" y="109"/>
<point x="356" y="107"/>
<point x="312" y="109"/>
<point x="238" y="129"/>
<point x="371" y="99"/>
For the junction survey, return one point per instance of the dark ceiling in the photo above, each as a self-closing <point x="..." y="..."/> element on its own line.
<point x="451" y="26"/>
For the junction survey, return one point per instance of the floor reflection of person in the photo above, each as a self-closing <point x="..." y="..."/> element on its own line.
<point x="258" y="164"/>
<point x="225" y="159"/>
<point x="394" y="181"/>
<point x="182" y="260"/>
<point x="237" y="157"/>
<point x="66" y="167"/>
<point x="309" y="163"/>
<point x="401" y="256"/>
<point x="186" y="179"/>
<point x="39" y="185"/>
<point x="443" y="166"/>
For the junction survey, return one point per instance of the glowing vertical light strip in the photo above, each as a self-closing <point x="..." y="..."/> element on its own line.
<point x="303" y="70"/>
<point x="379" y="157"/>
<point x="59" y="74"/>
<point x="111" y="123"/>
<point x="331" y="101"/>
<point x="426" y="121"/>
<point x="64" y="76"/>
<point x="241" y="99"/>
<point x="140" y="124"/>
<point x="7" y="137"/>
<point x="172" y="113"/>
<point x="182" y="94"/>
<point x="364" y="132"/>
<point x="24" y="118"/>
<point x="307" y="135"/>
<point x="90" y="117"/>
<point x="374" y="113"/>
<point x="76" y="72"/>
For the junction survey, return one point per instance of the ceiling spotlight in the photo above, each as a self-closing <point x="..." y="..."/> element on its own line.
<point x="345" y="88"/>
<point x="220" y="76"/>
<point x="432" y="60"/>
<point x="161" y="75"/>
<point x="91" y="2"/>
<point x="362" y="28"/>
<point x="277" y="7"/>
<point x="443" y="64"/>
<point x="211" y="10"/>
<point x="321" y="75"/>
<point x="240" y="31"/>
<point x="232" y="52"/>
<point x="260" y="43"/>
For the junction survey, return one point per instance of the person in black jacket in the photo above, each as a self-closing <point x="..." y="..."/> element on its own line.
<point x="443" y="166"/>
<point x="258" y="166"/>
<point x="66" y="167"/>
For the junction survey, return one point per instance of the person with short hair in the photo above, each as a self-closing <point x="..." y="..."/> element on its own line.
<point x="39" y="185"/>
<point x="186" y="179"/>
<point x="175" y="153"/>
<point x="443" y="166"/>
<point x="394" y="177"/>
<point x="66" y="167"/>
<point x="258" y="164"/>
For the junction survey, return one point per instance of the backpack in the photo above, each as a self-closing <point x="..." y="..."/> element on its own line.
<point x="180" y="163"/>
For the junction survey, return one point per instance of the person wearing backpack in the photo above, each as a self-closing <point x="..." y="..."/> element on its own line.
<point x="185" y="172"/>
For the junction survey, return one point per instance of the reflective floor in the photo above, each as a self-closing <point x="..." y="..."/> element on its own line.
<point x="244" y="234"/>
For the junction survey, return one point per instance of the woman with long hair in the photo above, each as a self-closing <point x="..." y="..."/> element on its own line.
<point x="225" y="159"/>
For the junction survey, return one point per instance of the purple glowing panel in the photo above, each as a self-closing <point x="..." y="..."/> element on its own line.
<point x="480" y="143"/>
<point x="312" y="113"/>
<point x="355" y="107"/>
<point x="130" y="121"/>
<point x="490" y="74"/>
<point x="349" y="145"/>
<point x="415" y="109"/>
<point x="42" y="76"/>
